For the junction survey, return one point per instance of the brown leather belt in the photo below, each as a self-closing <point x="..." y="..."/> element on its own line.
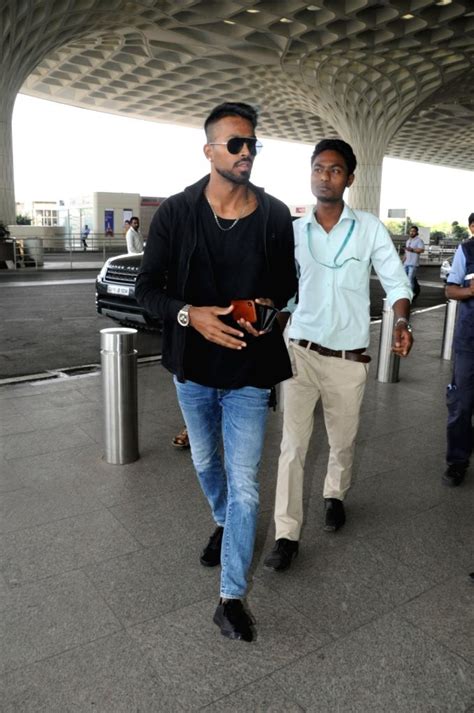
<point x="340" y="353"/>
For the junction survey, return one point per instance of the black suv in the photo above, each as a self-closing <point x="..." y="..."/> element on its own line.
<point x="115" y="293"/>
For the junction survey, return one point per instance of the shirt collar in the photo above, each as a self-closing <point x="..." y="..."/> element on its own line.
<point x="347" y="214"/>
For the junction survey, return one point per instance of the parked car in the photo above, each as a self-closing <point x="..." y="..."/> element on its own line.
<point x="445" y="269"/>
<point x="115" y="293"/>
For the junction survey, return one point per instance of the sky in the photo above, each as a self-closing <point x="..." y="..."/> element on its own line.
<point x="61" y="152"/>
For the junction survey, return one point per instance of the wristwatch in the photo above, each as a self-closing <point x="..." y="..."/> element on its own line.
<point x="404" y="320"/>
<point x="183" y="316"/>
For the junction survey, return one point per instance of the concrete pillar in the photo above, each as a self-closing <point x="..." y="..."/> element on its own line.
<point x="365" y="98"/>
<point x="364" y="193"/>
<point x="7" y="193"/>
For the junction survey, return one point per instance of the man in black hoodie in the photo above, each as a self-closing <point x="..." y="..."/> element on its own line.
<point x="223" y="239"/>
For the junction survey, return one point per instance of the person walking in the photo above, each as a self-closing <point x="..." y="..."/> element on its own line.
<point x="84" y="236"/>
<point x="223" y="239"/>
<point x="335" y="250"/>
<point x="414" y="246"/>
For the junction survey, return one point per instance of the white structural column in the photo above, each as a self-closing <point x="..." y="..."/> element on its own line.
<point x="31" y="31"/>
<point x="7" y="193"/>
<point x="366" y="98"/>
<point x="365" y="191"/>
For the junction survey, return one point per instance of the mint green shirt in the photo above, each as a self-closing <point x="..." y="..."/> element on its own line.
<point x="333" y="307"/>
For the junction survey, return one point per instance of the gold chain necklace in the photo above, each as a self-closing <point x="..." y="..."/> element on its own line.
<point x="225" y="230"/>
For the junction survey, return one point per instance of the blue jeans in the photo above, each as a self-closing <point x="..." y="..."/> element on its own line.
<point x="231" y="488"/>
<point x="460" y="402"/>
<point x="411" y="272"/>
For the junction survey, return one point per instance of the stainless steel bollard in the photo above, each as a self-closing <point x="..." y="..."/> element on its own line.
<point x="119" y="386"/>
<point x="388" y="362"/>
<point x="448" y="331"/>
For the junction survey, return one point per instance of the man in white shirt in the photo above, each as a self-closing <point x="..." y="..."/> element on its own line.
<point x="335" y="249"/>
<point x="134" y="237"/>
<point x="414" y="246"/>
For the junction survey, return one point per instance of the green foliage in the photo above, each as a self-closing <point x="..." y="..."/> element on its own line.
<point x="23" y="219"/>
<point x="459" y="232"/>
<point x="395" y="227"/>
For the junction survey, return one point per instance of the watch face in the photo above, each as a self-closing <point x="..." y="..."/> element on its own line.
<point x="183" y="318"/>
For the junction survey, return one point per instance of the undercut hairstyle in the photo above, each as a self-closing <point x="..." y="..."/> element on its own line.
<point x="414" y="227"/>
<point x="231" y="109"/>
<point x="470" y="220"/>
<point x="342" y="147"/>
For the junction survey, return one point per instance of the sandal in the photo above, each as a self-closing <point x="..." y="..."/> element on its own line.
<point x="181" y="440"/>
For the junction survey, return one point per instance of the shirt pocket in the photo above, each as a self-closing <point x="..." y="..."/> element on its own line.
<point x="354" y="275"/>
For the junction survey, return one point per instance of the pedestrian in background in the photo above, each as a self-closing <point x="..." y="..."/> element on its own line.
<point x="84" y="236"/>
<point x="414" y="246"/>
<point x="134" y="237"/>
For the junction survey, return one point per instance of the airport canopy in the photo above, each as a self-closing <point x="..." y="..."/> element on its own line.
<point x="391" y="77"/>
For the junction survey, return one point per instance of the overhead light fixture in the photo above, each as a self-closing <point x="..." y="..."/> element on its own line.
<point x="252" y="11"/>
<point x="408" y="16"/>
<point x="444" y="2"/>
<point x="285" y="19"/>
<point x="313" y="8"/>
<point x="229" y="22"/>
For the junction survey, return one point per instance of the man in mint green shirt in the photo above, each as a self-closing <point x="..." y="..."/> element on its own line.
<point x="335" y="249"/>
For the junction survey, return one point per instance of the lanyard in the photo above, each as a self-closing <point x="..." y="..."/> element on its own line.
<point x="335" y="266"/>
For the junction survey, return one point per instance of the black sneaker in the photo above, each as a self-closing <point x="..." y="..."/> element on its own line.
<point x="454" y="474"/>
<point x="281" y="555"/>
<point x="335" y="514"/>
<point x="233" y="620"/>
<point x="211" y="554"/>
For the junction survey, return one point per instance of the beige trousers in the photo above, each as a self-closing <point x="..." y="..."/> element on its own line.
<point x="340" y="384"/>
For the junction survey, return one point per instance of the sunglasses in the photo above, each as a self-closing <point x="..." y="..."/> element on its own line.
<point x="235" y="144"/>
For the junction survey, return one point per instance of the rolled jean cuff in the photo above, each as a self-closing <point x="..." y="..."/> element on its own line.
<point x="223" y="595"/>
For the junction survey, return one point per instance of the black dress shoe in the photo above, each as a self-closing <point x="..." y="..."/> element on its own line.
<point x="281" y="555"/>
<point x="233" y="620"/>
<point x="455" y="474"/>
<point x="335" y="515"/>
<point x="211" y="554"/>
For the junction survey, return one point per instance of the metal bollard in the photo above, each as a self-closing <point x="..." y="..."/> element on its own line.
<point x="448" y="331"/>
<point x="388" y="362"/>
<point x="119" y="386"/>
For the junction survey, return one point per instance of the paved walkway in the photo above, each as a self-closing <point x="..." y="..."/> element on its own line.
<point x="106" y="608"/>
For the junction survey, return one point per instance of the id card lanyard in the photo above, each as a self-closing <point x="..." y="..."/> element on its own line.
<point x="335" y="265"/>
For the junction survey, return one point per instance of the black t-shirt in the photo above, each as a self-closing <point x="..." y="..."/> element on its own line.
<point x="229" y="265"/>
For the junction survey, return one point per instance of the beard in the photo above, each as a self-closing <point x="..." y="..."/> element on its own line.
<point x="239" y="179"/>
<point x="325" y="198"/>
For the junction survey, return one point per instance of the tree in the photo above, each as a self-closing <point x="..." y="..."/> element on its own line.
<point x="23" y="219"/>
<point x="395" y="227"/>
<point x="436" y="236"/>
<point x="458" y="231"/>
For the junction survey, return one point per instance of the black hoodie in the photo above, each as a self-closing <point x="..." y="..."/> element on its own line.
<point x="172" y="238"/>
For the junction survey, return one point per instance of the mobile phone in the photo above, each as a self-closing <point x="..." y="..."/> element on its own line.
<point x="244" y="309"/>
<point x="266" y="315"/>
